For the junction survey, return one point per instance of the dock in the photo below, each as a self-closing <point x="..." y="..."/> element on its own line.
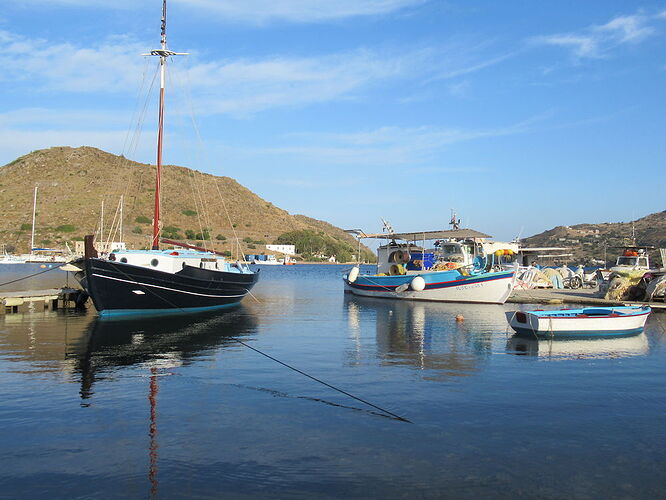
<point x="40" y="300"/>
<point x="580" y="296"/>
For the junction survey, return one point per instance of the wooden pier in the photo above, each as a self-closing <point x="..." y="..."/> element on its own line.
<point x="41" y="300"/>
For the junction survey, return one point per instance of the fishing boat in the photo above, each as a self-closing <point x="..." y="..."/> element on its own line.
<point x="162" y="281"/>
<point x="621" y="321"/>
<point x="407" y="270"/>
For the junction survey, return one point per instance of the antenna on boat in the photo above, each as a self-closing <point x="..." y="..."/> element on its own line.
<point x="387" y="227"/>
<point x="163" y="53"/>
<point x="455" y="221"/>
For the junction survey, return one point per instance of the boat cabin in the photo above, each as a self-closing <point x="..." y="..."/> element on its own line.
<point x="172" y="261"/>
<point x="632" y="258"/>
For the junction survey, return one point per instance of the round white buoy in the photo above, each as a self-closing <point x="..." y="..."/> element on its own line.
<point x="353" y="274"/>
<point x="418" y="284"/>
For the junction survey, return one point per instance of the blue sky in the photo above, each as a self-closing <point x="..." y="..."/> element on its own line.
<point x="521" y="115"/>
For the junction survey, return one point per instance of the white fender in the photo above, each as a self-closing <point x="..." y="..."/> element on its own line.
<point x="417" y="284"/>
<point x="353" y="274"/>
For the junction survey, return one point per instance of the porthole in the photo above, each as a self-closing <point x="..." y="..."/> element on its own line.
<point x="123" y="260"/>
<point x="154" y="262"/>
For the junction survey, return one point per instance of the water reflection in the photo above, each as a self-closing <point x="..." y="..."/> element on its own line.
<point x="157" y="343"/>
<point x="425" y="335"/>
<point x="579" y="349"/>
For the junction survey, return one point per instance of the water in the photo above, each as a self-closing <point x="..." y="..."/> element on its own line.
<point x="179" y="408"/>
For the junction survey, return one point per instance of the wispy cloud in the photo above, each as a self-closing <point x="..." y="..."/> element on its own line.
<point x="299" y="11"/>
<point x="387" y="145"/>
<point x="597" y="41"/>
<point x="228" y="86"/>
<point x="67" y="67"/>
<point x="247" y="86"/>
<point x="258" y="12"/>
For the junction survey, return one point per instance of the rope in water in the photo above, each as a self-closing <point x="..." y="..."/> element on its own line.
<point x="397" y="417"/>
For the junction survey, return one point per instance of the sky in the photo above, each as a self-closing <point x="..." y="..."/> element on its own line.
<point x="520" y="115"/>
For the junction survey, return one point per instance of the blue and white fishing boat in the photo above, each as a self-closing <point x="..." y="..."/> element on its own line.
<point x="407" y="270"/>
<point x="621" y="321"/>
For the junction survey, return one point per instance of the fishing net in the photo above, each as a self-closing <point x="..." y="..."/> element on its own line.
<point x="656" y="289"/>
<point x="623" y="284"/>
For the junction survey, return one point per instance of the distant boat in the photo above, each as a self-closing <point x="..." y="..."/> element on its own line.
<point x="410" y="272"/>
<point x="580" y="323"/>
<point x="162" y="281"/>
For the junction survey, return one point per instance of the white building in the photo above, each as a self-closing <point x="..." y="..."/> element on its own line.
<point x="285" y="249"/>
<point x="100" y="246"/>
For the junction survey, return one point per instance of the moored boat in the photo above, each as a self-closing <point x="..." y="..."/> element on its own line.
<point x="409" y="271"/>
<point x="580" y="323"/>
<point x="159" y="281"/>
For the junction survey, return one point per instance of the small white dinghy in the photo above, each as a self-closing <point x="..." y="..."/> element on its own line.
<point x="621" y="321"/>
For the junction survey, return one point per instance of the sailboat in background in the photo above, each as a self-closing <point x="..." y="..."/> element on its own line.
<point x="29" y="271"/>
<point x="155" y="281"/>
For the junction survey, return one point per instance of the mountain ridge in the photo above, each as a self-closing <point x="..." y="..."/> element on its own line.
<point x="73" y="183"/>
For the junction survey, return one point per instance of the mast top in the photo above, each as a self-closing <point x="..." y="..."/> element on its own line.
<point x="163" y="51"/>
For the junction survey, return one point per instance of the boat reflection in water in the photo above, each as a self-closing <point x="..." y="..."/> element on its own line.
<point x="425" y="335"/>
<point x="557" y="349"/>
<point x="156" y="342"/>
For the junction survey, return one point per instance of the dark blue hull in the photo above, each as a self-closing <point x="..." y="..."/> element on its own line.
<point x="118" y="289"/>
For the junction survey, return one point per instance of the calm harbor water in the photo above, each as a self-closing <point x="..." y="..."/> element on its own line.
<point x="178" y="407"/>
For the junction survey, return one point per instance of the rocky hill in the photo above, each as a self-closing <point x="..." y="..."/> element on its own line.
<point x="597" y="241"/>
<point x="73" y="182"/>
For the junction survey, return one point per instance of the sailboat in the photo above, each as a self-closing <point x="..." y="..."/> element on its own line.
<point x="162" y="281"/>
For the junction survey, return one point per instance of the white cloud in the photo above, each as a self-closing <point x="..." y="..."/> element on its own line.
<point x="258" y="12"/>
<point x="299" y="11"/>
<point x="386" y="145"/>
<point x="247" y="86"/>
<point x="597" y="41"/>
<point x="114" y="65"/>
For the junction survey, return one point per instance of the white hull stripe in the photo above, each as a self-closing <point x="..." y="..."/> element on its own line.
<point x="164" y="287"/>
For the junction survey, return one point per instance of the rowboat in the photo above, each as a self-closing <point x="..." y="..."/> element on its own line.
<point x="621" y="321"/>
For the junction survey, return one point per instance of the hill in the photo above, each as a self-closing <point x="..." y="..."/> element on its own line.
<point x="73" y="182"/>
<point x="597" y="241"/>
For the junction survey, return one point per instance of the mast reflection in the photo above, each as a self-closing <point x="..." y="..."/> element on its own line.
<point x="158" y="343"/>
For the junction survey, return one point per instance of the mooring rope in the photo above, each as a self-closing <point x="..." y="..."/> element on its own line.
<point x="397" y="417"/>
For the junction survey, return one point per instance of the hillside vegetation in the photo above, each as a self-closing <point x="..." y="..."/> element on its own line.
<point x="196" y="207"/>
<point x="600" y="241"/>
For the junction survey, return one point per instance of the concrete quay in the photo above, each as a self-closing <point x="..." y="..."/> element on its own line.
<point x="566" y="296"/>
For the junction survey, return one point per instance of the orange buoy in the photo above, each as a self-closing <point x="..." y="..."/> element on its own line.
<point x="460" y="318"/>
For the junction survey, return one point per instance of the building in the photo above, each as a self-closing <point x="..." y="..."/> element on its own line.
<point x="100" y="246"/>
<point x="285" y="249"/>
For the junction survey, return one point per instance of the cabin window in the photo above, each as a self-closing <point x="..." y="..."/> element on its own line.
<point x="123" y="260"/>
<point x="154" y="262"/>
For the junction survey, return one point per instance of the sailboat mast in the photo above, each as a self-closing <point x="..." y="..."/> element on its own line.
<point x="34" y="211"/>
<point x="160" y="132"/>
